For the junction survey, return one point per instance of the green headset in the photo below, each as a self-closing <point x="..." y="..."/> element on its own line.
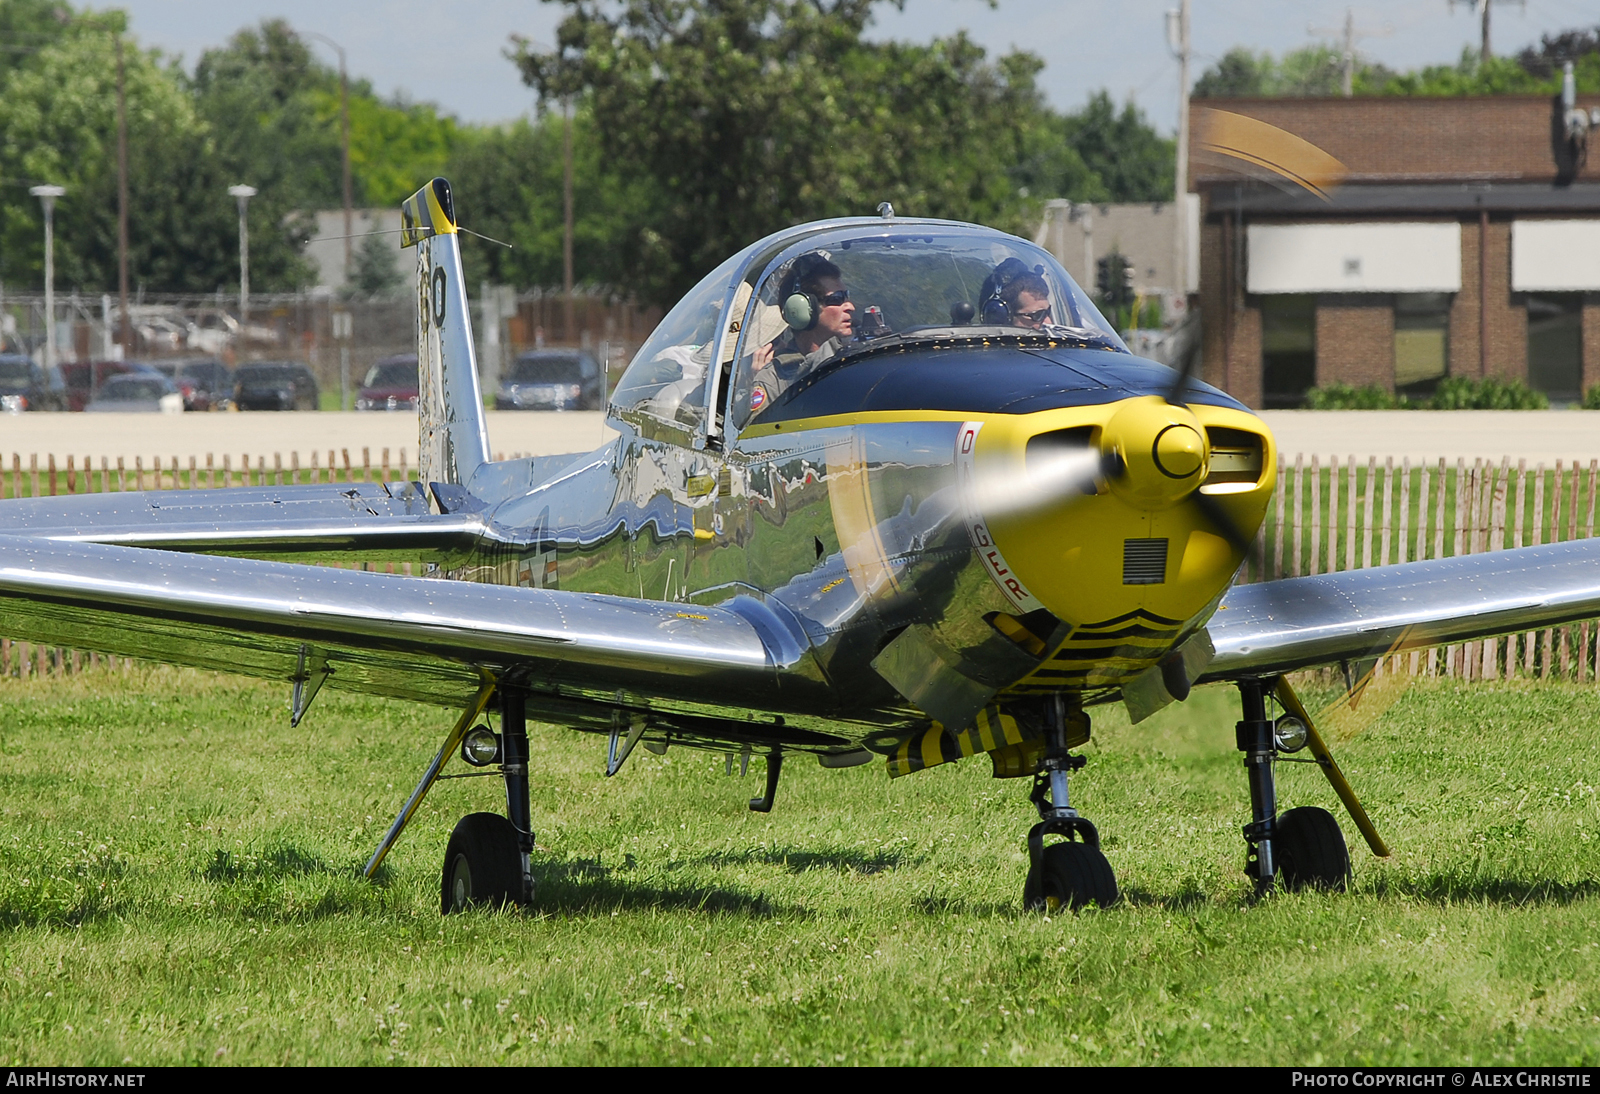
<point x="801" y="309"/>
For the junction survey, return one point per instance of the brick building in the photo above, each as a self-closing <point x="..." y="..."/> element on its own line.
<point x="1464" y="241"/>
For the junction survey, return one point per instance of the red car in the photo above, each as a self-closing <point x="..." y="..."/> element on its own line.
<point x="390" y="384"/>
<point x="84" y="378"/>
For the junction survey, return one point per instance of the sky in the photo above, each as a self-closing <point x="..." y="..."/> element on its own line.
<point x="1086" y="45"/>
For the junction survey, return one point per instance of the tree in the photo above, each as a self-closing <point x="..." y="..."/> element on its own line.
<point x="374" y="271"/>
<point x="1131" y="161"/>
<point x="1240" y="74"/>
<point x="744" y="116"/>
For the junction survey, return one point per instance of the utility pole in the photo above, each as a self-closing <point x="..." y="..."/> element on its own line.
<point x="243" y="194"/>
<point x="344" y="123"/>
<point x="1178" y="41"/>
<point x="47" y="197"/>
<point x="566" y="235"/>
<point x="122" y="206"/>
<point x="1482" y="7"/>
<point x="1348" y="36"/>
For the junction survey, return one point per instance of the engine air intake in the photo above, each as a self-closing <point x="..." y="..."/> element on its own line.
<point x="1144" y="561"/>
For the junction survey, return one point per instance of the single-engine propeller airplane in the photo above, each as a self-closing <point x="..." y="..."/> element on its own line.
<point x="884" y="489"/>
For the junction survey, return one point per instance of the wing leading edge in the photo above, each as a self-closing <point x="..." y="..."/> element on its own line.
<point x="1278" y="626"/>
<point x="405" y="637"/>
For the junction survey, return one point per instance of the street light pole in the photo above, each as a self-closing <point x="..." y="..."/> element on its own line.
<point x="1178" y="40"/>
<point x="344" y="122"/>
<point x="47" y="197"/>
<point x="243" y="194"/>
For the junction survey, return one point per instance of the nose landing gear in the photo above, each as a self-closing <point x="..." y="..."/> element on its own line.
<point x="1074" y="873"/>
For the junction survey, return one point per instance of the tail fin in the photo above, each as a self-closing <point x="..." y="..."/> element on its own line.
<point x="454" y="442"/>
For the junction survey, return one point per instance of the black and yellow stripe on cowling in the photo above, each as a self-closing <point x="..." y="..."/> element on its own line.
<point x="1104" y="654"/>
<point x="1015" y="745"/>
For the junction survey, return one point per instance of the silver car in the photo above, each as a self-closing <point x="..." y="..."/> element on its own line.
<point x="137" y="393"/>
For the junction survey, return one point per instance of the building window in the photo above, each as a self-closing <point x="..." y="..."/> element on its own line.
<point x="1421" y="342"/>
<point x="1288" y="349"/>
<point x="1555" y="345"/>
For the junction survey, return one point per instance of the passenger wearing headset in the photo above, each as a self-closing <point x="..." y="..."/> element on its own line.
<point x="1015" y="296"/>
<point x="819" y="318"/>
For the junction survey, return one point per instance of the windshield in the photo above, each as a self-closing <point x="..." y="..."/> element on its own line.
<point x="133" y="389"/>
<point x="667" y="376"/>
<point x="546" y="368"/>
<point x="846" y="292"/>
<point x="265" y="374"/>
<point x="202" y="371"/>
<point x="15" y="370"/>
<point x="392" y="374"/>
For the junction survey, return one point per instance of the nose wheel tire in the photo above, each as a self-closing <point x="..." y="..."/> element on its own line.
<point x="482" y="865"/>
<point x="1071" y="876"/>
<point x="1311" y="851"/>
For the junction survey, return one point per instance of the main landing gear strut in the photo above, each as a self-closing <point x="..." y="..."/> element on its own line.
<point x="488" y="860"/>
<point x="1304" y="846"/>
<point x="1072" y="873"/>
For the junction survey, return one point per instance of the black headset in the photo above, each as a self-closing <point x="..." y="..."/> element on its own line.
<point x="995" y="311"/>
<point x="802" y="309"/>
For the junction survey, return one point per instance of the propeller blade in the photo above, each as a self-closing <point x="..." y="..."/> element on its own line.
<point x="1180" y="387"/>
<point x="1227" y="527"/>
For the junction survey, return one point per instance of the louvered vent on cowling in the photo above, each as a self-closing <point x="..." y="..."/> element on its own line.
<point x="1144" y="561"/>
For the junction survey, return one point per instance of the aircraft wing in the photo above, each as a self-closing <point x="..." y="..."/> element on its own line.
<point x="406" y="637"/>
<point x="1277" y="626"/>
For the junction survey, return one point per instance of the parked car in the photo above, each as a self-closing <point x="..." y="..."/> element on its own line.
<point x="390" y="384"/>
<point x="161" y="334"/>
<point x="551" y="379"/>
<point x="27" y="385"/>
<point x="85" y="378"/>
<point x="206" y="384"/>
<point x="214" y="331"/>
<point x="137" y="393"/>
<point x="274" y="385"/>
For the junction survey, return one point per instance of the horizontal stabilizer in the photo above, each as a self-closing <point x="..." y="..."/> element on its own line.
<point x="325" y="522"/>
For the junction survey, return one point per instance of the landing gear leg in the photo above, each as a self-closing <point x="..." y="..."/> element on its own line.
<point x="1253" y="735"/>
<point x="489" y="858"/>
<point x="1073" y="873"/>
<point x="514" y="765"/>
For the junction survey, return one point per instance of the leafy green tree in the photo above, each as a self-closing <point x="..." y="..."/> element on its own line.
<point x="749" y="115"/>
<point x="58" y="124"/>
<point x="1132" y="162"/>
<point x="1240" y="74"/>
<point x="1317" y="70"/>
<point x="508" y="185"/>
<point x="374" y="271"/>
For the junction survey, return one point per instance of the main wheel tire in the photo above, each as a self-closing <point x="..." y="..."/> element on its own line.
<point x="1070" y="875"/>
<point x="1311" y="850"/>
<point x="482" y="865"/>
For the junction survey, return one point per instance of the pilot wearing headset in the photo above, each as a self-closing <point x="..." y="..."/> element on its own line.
<point x="819" y="319"/>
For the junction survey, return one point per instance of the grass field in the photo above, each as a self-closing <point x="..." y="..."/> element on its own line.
<point x="178" y="885"/>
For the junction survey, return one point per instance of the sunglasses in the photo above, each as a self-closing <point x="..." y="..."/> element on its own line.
<point x="835" y="298"/>
<point x="1038" y="316"/>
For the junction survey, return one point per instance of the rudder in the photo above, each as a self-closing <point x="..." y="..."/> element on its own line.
<point x="453" y="440"/>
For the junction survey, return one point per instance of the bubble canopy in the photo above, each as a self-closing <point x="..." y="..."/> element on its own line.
<point x="864" y="284"/>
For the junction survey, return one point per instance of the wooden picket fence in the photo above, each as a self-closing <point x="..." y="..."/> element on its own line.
<point x="1324" y="516"/>
<point x="1333" y="515"/>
